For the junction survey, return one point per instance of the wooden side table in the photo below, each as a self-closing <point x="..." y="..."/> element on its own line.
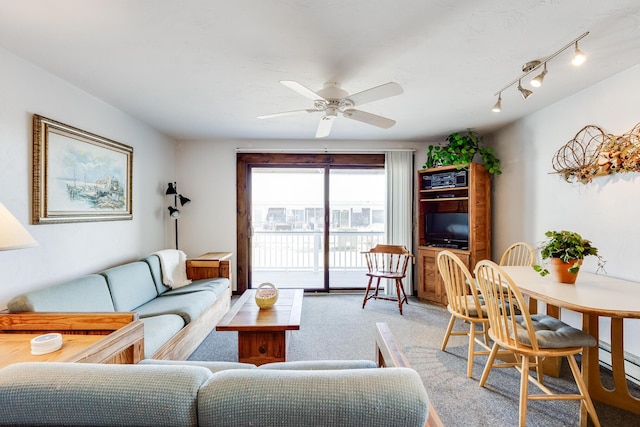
<point x="210" y="265"/>
<point x="124" y="345"/>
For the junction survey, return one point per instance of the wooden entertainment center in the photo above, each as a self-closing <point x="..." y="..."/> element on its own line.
<point x="466" y="194"/>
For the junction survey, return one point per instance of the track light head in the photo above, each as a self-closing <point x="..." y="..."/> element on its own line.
<point x="525" y="92"/>
<point x="498" y="105"/>
<point x="578" y="57"/>
<point x="537" y="80"/>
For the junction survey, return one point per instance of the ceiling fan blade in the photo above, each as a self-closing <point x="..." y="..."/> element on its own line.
<point x="372" y="119"/>
<point x="288" y="113"/>
<point x="302" y="90"/>
<point x="375" y="93"/>
<point x="324" y="127"/>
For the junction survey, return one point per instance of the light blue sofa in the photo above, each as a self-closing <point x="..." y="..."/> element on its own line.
<point x="175" y="320"/>
<point x="152" y="393"/>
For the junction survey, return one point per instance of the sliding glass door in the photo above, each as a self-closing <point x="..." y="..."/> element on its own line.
<point x="304" y="219"/>
<point x="295" y="245"/>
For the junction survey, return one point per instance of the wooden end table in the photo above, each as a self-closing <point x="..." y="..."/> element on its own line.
<point x="262" y="333"/>
<point x="124" y="345"/>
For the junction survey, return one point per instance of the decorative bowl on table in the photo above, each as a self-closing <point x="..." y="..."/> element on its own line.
<point x="266" y="295"/>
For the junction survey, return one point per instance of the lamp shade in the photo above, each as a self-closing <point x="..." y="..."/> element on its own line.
<point x="171" y="190"/>
<point x="173" y="212"/>
<point x="183" y="200"/>
<point x="12" y="234"/>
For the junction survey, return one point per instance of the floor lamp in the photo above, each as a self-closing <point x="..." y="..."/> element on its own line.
<point x="174" y="212"/>
<point x="12" y="234"/>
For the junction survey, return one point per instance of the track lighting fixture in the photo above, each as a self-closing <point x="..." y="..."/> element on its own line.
<point x="498" y="106"/>
<point x="525" y="92"/>
<point x="578" y="58"/>
<point x="537" y="80"/>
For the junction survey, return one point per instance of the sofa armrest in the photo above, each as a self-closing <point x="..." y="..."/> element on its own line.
<point x="389" y="355"/>
<point x="81" y="323"/>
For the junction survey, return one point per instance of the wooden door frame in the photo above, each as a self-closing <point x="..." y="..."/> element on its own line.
<point x="246" y="161"/>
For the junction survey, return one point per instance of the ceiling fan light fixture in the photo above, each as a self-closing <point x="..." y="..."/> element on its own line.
<point x="498" y="105"/>
<point x="579" y="56"/>
<point x="524" y="92"/>
<point x="333" y="100"/>
<point x="537" y="80"/>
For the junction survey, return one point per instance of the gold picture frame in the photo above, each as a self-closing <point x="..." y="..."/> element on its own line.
<point x="79" y="176"/>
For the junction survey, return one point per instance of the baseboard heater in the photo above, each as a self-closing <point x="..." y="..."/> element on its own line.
<point x="631" y="363"/>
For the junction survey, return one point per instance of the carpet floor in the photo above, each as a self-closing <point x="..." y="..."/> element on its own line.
<point x="334" y="326"/>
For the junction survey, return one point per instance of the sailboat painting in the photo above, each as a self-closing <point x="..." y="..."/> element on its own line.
<point x="84" y="177"/>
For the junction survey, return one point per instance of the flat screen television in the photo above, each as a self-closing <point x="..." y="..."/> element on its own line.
<point x="447" y="229"/>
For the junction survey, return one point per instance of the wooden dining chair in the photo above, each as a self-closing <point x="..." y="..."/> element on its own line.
<point x="529" y="336"/>
<point x="464" y="304"/>
<point x="519" y="254"/>
<point x="387" y="262"/>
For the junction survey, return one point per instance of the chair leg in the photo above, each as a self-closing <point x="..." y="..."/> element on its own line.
<point x="539" y="370"/>
<point x="472" y="342"/>
<point x="489" y="365"/>
<point x="402" y="297"/>
<point x="448" y="333"/>
<point x="582" y="387"/>
<point x="366" y="293"/>
<point x="375" y="295"/>
<point x="485" y="332"/>
<point x="524" y="390"/>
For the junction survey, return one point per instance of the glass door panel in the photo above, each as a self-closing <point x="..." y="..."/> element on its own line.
<point x="287" y="221"/>
<point x="357" y="223"/>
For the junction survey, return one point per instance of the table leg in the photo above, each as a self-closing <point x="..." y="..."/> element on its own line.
<point x="262" y="347"/>
<point x="619" y="396"/>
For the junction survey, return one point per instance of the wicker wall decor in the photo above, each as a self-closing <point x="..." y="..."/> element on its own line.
<point x="593" y="152"/>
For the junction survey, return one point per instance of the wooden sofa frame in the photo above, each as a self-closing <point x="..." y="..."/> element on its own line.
<point x="389" y="355"/>
<point x="179" y="347"/>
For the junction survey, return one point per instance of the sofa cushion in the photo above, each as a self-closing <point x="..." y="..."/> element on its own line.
<point x="320" y="365"/>
<point x="160" y="329"/>
<point x="83" y="394"/>
<point x="212" y="366"/>
<point x="189" y="306"/>
<point x="355" y="397"/>
<point x="85" y="294"/>
<point x="153" y="261"/>
<point x="131" y="285"/>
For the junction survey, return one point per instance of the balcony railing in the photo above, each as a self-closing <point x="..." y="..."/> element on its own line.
<point x="285" y="252"/>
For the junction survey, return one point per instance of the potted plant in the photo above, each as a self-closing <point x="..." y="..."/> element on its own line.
<point x="565" y="251"/>
<point x="460" y="151"/>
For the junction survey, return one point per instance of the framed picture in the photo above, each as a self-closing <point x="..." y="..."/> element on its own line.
<point x="79" y="176"/>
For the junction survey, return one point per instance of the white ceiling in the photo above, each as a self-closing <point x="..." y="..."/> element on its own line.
<point x="204" y="69"/>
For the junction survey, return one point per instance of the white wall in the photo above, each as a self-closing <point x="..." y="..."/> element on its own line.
<point x="70" y="250"/>
<point x="528" y="199"/>
<point x="207" y="175"/>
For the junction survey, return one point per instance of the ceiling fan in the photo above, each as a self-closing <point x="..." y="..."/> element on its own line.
<point x="332" y="99"/>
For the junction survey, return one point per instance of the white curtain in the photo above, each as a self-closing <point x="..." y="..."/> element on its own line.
<point x="399" y="224"/>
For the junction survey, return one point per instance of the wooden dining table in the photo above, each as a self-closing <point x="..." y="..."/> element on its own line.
<point x="594" y="296"/>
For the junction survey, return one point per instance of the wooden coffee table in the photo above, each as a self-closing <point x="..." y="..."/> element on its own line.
<point x="262" y="333"/>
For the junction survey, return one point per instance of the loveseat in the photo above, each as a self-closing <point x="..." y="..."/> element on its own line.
<point x="176" y="320"/>
<point x="80" y="394"/>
